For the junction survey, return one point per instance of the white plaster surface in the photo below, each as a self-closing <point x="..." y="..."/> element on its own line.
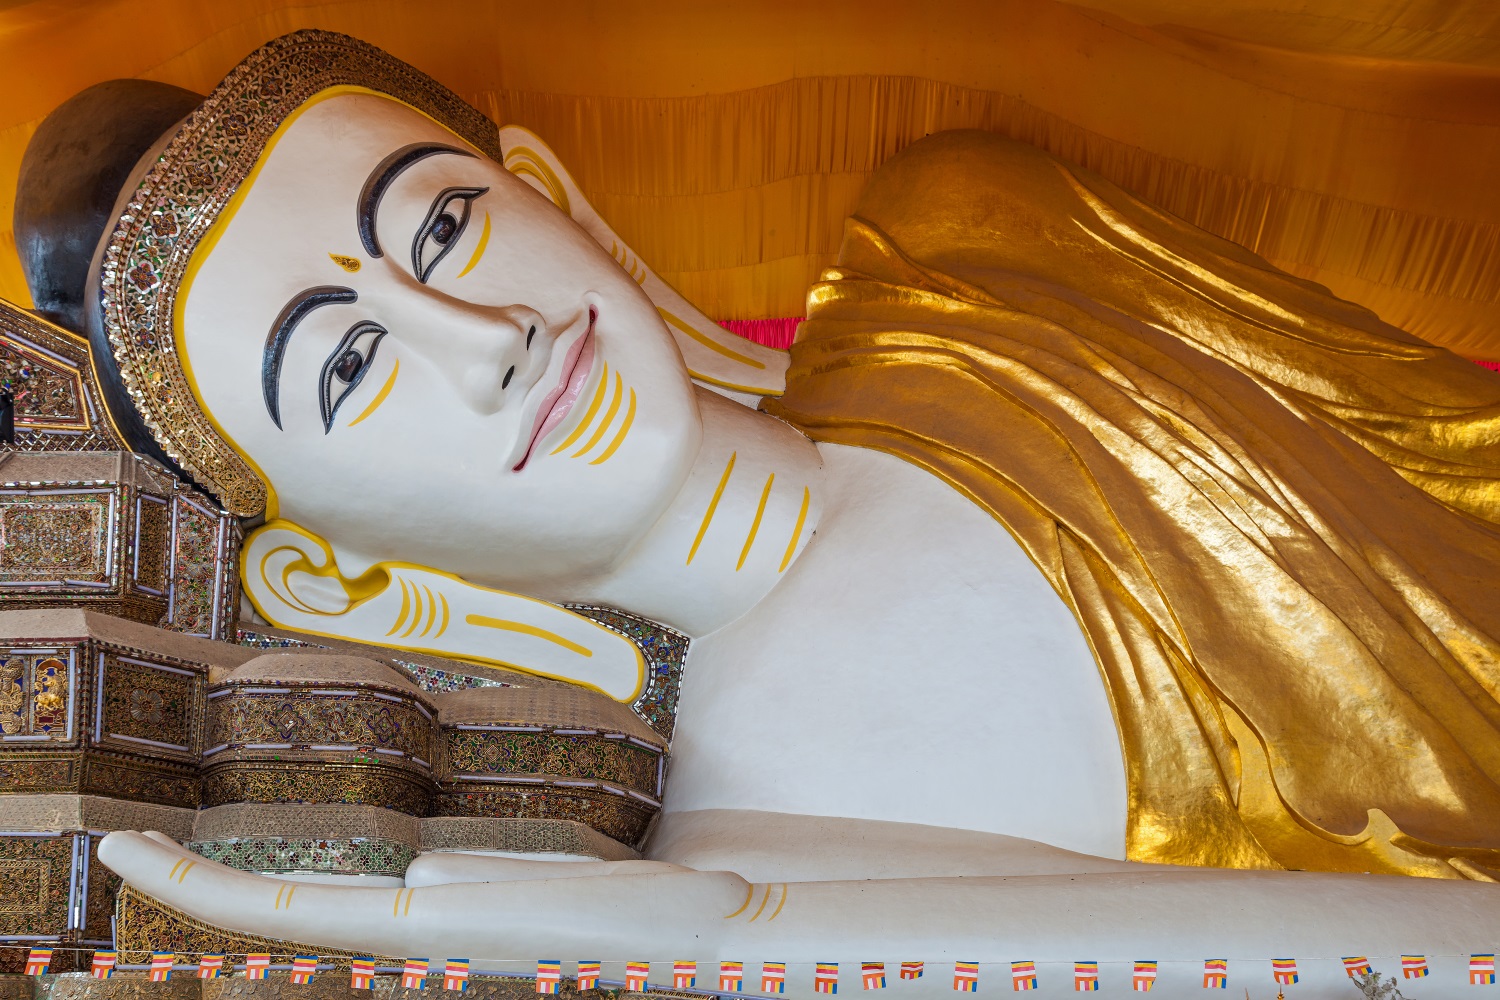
<point x="914" y="666"/>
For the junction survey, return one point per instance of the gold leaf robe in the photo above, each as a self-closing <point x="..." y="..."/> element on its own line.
<point x="1276" y="518"/>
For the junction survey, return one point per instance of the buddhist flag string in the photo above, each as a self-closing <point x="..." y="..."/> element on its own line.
<point x="731" y="977"/>
<point x="1145" y="976"/>
<point x="414" y="973"/>
<point x="456" y="975"/>
<point x="684" y="975"/>
<point x="1413" y="966"/>
<point x="1085" y="977"/>
<point x="826" y="978"/>
<point x="965" y="977"/>
<point x="1482" y="970"/>
<point x="588" y="975"/>
<point x="103" y="965"/>
<point x="773" y="977"/>
<point x="1023" y="975"/>
<point x="1356" y="965"/>
<point x="257" y="965"/>
<point x="636" y="974"/>
<point x="362" y="973"/>
<point x="304" y="967"/>
<point x="1216" y="974"/>
<point x="161" y="966"/>
<point x="210" y="966"/>
<point x="911" y="970"/>
<point x="548" y="975"/>
<point x="37" y="960"/>
<point x="873" y="975"/>
<point x="1284" y="970"/>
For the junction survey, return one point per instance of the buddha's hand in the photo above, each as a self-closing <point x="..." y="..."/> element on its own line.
<point x="637" y="910"/>
<point x="294" y="581"/>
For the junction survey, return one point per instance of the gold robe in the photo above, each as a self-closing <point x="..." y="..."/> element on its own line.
<point x="1276" y="518"/>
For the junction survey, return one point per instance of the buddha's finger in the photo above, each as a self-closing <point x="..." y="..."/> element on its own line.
<point x="492" y="923"/>
<point x="446" y="868"/>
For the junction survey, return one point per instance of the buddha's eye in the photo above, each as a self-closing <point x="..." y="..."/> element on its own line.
<point x="346" y="366"/>
<point x="441" y="229"/>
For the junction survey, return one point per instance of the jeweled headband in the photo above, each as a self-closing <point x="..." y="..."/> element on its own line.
<point x="180" y="196"/>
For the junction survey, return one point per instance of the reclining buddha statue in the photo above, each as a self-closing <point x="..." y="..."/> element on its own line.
<point x="1079" y="582"/>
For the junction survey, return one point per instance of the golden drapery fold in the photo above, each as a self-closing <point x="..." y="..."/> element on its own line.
<point x="1276" y="518"/>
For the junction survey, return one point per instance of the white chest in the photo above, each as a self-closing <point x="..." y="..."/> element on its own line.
<point x="913" y="666"/>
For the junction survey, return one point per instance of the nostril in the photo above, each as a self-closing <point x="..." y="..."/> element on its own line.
<point x="505" y="382"/>
<point x="529" y="335"/>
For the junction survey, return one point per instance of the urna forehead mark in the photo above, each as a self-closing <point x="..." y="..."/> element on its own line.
<point x="381" y="178"/>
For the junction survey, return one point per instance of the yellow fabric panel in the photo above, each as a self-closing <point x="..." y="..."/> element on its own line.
<point x="1345" y="140"/>
<point x="1274" y="517"/>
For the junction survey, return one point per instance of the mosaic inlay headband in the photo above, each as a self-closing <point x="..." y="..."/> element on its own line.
<point x="180" y="197"/>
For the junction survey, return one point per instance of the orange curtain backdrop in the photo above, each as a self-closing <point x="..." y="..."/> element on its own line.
<point x="1349" y="141"/>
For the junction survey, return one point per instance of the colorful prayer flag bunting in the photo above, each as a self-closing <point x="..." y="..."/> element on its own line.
<point x="362" y="973"/>
<point x="1023" y="975"/>
<point x="1285" y="970"/>
<point x="161" y="966"/>
<point x="873" y="975"/>
<point x="773" y="977"/>
<point x="1216" y="974"/>
<point x="635" y="976"/>
<point x="37" y="961"/>
<point x="1413" y="966"/>
<point x="1144" y="978"/>
<point x="210" y="966"/>
<point x="966" y="977"/>
<point x="414" y="973"/>
<point x="684" y="975"/>
<point x="826" y="978"/>
<point x="731" y="977"/>
<point x="257" y="965"/>
<point x="104" y="964"/>
<point x="1357" y="965"/>
<point x="911" y="970"/>
<point x="456" y="975"/>
<point x="1085" y="977"/>
<point x="588" y="975"/>
<point x="1481" y="970"/>
<point x="548" y="975"/>
<point x="304" y="967"/>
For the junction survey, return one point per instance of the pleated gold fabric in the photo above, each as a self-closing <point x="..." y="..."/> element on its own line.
<point x="1276" y="518"/>
<point x="1351" y="142"/>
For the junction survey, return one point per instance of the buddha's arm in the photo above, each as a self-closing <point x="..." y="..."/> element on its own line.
<point x="294" y="580"/>
<point x="1174" y="915"/>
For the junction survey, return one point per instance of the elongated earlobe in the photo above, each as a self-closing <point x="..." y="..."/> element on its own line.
<point x="293" y="579"/>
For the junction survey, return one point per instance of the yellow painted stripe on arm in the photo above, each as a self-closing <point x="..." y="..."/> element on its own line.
<point x="713" y="505"/>
<point x="791" y="546"/>
<point x="589" y="414"/>
<point x="708" y="342"/>
<point x="289" y="891"/>
<point x="609" y="416"/>
<point x="760" y="511"/>
<point x="749" y="895"/>
<point x="416" y="614"/>
<point x="444" y="626"/>
<point x="173" y="873"/>
<point x="279" y="891"/>
<point x="409" y="894"/>
<point x="405" y="606"/>
<point x="479" y="248"/>
<point x="396" y="906"/>
<point x="432" y="609"/>
<point x="763" y="901"/>
<point x="385" y="391"/>
<point x="620" y="434"/>
<point x="484" y="621"/>
<point x="183" y="874"/>
<point x="785" y="889"/>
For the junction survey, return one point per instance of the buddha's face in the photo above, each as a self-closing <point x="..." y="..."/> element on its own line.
<point x="488" y="393"/>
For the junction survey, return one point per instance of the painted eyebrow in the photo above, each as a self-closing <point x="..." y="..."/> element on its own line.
<point x="385" y="172"/>
<point x="291" y="314"/>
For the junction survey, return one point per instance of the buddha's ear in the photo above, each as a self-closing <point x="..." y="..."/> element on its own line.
<point x="294" y="581"/>
<point x="715" y="357"/>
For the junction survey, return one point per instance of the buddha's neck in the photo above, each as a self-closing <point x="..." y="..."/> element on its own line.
<point x="747" y="510"/>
